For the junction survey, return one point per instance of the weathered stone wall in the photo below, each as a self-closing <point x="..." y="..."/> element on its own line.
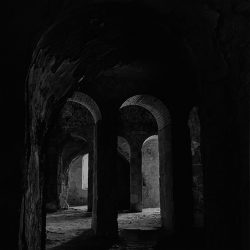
<point x="150" y="173"/>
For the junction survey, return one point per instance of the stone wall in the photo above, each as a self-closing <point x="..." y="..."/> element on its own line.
<point x="150" y="172"/>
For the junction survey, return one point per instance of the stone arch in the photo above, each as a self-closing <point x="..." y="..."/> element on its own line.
<point x="162" y="116"/>
<point x="154" y="106"/>
<point x="75" y="145"/>
<point x="72" y="149"/>
<point x="76" y="137"/>
<point x="87" y="102"/>
<point x="60" y="149"/>
<point x="151" y="138"/>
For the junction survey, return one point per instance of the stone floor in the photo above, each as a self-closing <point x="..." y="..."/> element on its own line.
<point x="137" y="230"/>
<point x="71" y="230"/>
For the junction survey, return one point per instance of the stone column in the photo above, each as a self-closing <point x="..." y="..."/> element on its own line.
<point x="52" y="181"/>
<point x="90" y="179"/>
<point x="182" y="173"/>
<point x="244" y="166"/>
<point x="104" y="216"/>
<point x="166" y="178"/>
<point x="63" y="194"/>
<point x="220" y="177"/>
<point x="92" y="160"/>
<point x="136" y="142"/>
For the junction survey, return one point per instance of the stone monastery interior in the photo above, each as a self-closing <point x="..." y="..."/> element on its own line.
<point x="135" y="129"/>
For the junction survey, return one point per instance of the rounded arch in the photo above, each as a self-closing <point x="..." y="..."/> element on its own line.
<point x="152" y="137"/>
<point x="163" y="119"/>
<point x="72" y="149"/>
<point x="153" y="105"/>
<point x="87" y="102"/>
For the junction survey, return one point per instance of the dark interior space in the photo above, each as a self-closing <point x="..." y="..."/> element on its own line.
<point x="157" y="94"/>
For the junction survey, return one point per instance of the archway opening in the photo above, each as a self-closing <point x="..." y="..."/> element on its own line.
<point x="73" y="216"/>
<point x="78" y="182"/>
<point x="146" y="126"/>
<point x="71" y="162"/>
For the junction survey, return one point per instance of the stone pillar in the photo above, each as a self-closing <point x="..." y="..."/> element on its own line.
<point x="94" y="181"/>
<point x="136" y="142"/>
<point x="182" y="173"/>
<point x="166" y="178"/>
<point x="90" y="179"/>
<point x="244" y="167"/>
<point x="63" y="194"/>
<point x="92" y="159"/>
<point x="220" y="172"/>
<point x="104" y="216"/>
<point x="62" y="180"/>
<point x="51" y="180"/>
